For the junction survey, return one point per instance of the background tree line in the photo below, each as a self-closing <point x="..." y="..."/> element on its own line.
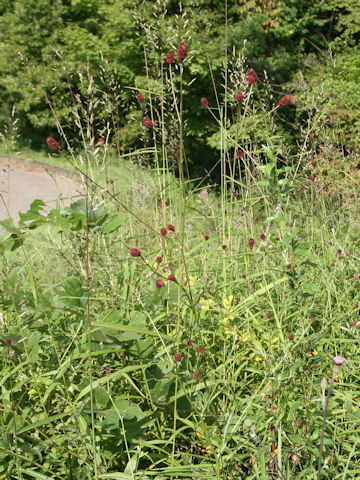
<point x="50" y="49"/>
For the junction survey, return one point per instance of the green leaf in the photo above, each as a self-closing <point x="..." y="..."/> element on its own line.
<point x="34" y="474"/>
<point x="114" y="223"/>
<point x="44" y="421"/>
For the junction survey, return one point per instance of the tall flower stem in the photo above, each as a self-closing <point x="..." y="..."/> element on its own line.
<point x="325" y="407"/>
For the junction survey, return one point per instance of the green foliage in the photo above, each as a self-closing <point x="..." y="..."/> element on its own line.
<point x="46" y="45"/>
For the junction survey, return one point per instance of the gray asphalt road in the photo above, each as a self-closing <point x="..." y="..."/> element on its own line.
<point x="22" y="181"/>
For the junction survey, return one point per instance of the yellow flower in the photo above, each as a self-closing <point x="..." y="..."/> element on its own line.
<point x="227" y="304"/>
<point x="206" y="304"/>
<point x="193" y="280"/>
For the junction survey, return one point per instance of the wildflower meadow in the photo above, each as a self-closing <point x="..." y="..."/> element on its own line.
<point x="182" y="321"/>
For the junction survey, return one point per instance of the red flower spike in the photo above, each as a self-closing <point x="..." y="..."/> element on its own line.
<point x="108" y="371"/>
<point x="171" y="228"/>
<point x="159" y="284"/>
<point x="8" y="341"/>
<point x="224" y="247"/>
<point x="269" y="315"/>
<point x="177" y="357"/>
<point x="354" y="323"/>
<point x="189" y="343"/>
<point x="311" y="319"/>
<point x="148" y="123"/>
<point x="243" y="276"/>
<point x="201" y="350"/>
<point x="262" y="236"/>
<point x="101" y="141"/>
<point x="171" y="277"/>
<point x="240" y="153"/>
<point x="251" y="243"/>
<point x="135" y="252"/>
<point x="158" y="259"/>
<point x="204" y="102"/>
<point x="111" y="181"/>
<point x="290" y="336"/>
<point x="206" y="237"/>
<point x="288" y="266"/>
<point x="53" y="144"/>
<point x="182" y="51"/>
<point x="239" y="97"/>
<point x="286" y="100"/>
<point x="197" y="375"/>
<point x="331" y="95"/>
<point x="170" y="58"/>
<point x="252" y="76"/>
<point x="163" y="231"/>
<point x="140" y="97"/>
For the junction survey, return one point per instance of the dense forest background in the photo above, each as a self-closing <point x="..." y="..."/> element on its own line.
<point x="54" y="52"/>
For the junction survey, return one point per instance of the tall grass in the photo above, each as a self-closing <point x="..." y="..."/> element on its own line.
<point x="165" y="328"/>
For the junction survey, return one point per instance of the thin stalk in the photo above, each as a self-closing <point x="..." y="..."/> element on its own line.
<point x="88" y="275"/>
<point x="324" y="425"/>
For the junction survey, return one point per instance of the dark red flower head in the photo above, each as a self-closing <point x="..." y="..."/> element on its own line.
<point x="239" y="97"/>
<point x="285" y="100"/>
<point x="158" y="259"/>
<point x="262" y="236"/>
<point x="170" y="58"/>
<point x="251" y="243"/>
<point x="206" y="237"/>
<point x="177" y="357"/>
<point x="224" y="247"/>
<point x="189" y="343"/>
<point x="140" y="97"/>
<point x="135" y="252"/>
<point x="201" y="350"/>
<point x="8" y="341"/>
<point x="269" y="314"/>
<point x="171" y="227"/>
<point x="197" y="375"/>
<point x="101" y="141"/>
<point x="290" y="336"/>
<point x="331" y="95"/>
<point x="204" y="102"/>
<point x="159" y="283"/>
<point x="252" y="75"/>
<point x="53" y="144"/>
<point x="148" y="123"/>
<point x="163" y="231"/>
<point x="240" y="153"/>
<point x="171" y="277"/>
<point x="182" y="51"/>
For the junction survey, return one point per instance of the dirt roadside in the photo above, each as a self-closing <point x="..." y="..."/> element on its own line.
<point x="23" y="181"/>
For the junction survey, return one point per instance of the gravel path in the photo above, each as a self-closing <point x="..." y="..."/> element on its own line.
<point x="22" y="181"/>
